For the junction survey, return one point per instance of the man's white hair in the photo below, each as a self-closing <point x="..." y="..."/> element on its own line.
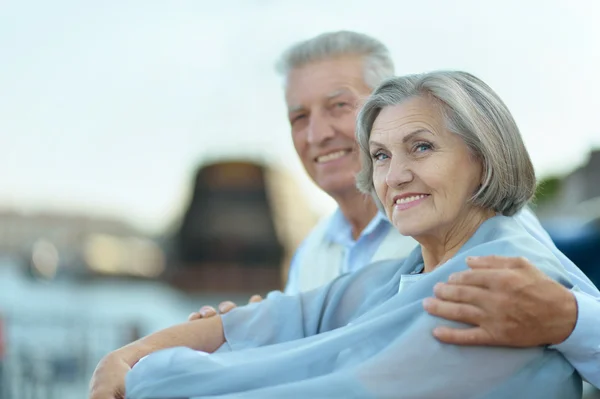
<point x="378" y="63"/>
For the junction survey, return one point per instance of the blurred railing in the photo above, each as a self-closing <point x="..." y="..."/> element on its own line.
<point x="52" y="358"/>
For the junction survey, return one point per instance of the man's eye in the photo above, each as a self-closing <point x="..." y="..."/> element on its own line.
<point x="297" y="118"/>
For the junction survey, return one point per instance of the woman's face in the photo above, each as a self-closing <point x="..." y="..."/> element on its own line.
<point x="423" y="174"/>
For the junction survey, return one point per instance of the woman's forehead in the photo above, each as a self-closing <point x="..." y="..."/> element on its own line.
<point x="408" y="117"/>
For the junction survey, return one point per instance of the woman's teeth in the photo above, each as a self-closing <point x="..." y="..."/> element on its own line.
<point x="410" y="199"/>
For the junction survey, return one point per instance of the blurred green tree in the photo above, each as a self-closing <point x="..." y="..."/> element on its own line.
<point x="547" y="189"/>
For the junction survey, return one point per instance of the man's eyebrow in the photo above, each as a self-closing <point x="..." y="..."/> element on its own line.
<point x="295" y="108"/>
<point x="337" y="93"/>
<point x="333" y="94"/>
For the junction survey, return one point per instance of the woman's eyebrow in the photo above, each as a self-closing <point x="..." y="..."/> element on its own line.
<point x="373" y="143"/>
<point x="409" y="136"/>
<point x="405" y="139"/>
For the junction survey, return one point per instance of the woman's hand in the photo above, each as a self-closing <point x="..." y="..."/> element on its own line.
<point x="108" y="381"/>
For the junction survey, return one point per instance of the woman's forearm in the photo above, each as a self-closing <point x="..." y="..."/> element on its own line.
<point x="204" y="335"/>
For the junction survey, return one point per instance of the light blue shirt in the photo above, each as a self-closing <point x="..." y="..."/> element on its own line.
<point x="357" y="253"/>
<point x="357" y="337"/>
<point x="582" y="348"/>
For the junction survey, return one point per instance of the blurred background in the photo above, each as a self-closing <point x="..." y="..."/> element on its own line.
<point x="146" y="165"/>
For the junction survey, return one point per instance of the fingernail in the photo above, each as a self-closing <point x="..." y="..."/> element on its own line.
<point x="427" y="302"/>
<point x="205" y="311"/>
<point x="472" y="257"/>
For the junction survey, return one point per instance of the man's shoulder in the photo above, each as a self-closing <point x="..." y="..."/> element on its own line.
<point x="323" y="225"/>
<point x="316" y="235"/>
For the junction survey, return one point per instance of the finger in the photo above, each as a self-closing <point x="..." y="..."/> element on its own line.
<point x="462" y="336"/>
<point x="207" y="311"/>
<point x="461" y="312"/>
<point x="495" y="262"/>
<point x="226" y="306"/>
<point x="255" y="298"/>
<point x="194" y="316"/>
<point x="477" y="278"/>
<point x="460" y="293"/>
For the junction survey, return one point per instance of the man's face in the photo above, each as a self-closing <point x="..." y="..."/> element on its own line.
<point x="323" y="101"/>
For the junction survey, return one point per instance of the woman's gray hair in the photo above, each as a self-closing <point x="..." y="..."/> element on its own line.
<point x="473" y="111"/>
<point x="378" y="63"/>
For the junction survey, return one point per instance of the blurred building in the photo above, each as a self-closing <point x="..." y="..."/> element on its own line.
<point x="50" y="244"/>
<point x="581" y="185"/>
<point x="571" y="215"/>
<point x="240" y="228"/>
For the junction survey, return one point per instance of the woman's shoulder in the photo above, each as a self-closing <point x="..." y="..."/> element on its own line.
<point x="505" y="236"/>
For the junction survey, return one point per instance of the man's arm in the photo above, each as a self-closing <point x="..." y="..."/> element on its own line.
<point x="582" y="347"/>
<point x="512" y="303"/>
<point x="108" y="381"/>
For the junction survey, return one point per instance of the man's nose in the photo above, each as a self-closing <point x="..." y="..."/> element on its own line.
<point x="319" y="130"/>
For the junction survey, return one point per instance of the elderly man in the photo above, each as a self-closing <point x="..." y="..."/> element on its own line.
<point x="326" y="79"/>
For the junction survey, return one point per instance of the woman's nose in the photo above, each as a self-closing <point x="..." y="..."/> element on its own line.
<point x="399" y="173"/>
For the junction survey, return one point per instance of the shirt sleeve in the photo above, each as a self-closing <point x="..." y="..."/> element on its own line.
<point x="582" y="348"/>
<point x="281" y="318"/>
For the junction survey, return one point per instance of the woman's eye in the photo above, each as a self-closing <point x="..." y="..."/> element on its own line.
<point x="380" y="156"/>
<point x="421" y="147"/>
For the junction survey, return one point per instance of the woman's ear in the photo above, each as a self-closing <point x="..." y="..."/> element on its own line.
<point x="482" y="173"/>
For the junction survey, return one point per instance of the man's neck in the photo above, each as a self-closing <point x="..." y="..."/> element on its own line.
<point x="358" y="209"/>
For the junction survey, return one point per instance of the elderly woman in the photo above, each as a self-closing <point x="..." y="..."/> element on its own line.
<point x="444" y="160"/>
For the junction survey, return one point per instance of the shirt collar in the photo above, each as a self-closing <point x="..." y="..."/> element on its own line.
<point x="340" y="230"/>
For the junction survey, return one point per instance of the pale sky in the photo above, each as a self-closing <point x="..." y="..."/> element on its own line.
<point x="106" y="107"/>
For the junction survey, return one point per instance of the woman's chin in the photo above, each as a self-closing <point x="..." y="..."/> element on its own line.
<point x="409" y="231"/>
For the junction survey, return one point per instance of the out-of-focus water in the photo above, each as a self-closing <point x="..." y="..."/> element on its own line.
<point x="55" y="332"/>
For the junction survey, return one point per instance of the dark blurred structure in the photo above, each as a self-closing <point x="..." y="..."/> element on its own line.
<point x="229" y="219"/>
<point x="231" y="237"/>
<point x="583" y="184"/>
<point x="579" y="240"/>
<point x="569" y="207"/>
<point x="563" y="195"/>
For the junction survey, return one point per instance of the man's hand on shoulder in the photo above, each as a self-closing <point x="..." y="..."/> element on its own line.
<point x="508" y="301"/>
<point x="224" y="307"/>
